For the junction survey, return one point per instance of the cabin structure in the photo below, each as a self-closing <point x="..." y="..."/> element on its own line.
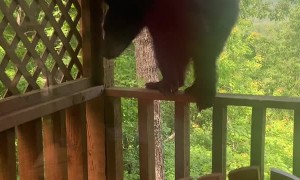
<point x="59" y="121"/>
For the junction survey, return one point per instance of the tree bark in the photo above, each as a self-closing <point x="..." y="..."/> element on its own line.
<point x="147" y="71"/>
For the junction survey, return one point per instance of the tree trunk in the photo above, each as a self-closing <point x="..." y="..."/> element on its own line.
<point x="147" y="71"/>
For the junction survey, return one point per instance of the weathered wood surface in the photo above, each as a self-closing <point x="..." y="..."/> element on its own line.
<point x="146" y="139"/>
<point x="182" y="140"/>
<point x="38" y="110"/>
<point x="225" y="99"/>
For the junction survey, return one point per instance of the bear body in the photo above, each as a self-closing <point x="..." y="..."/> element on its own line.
<point x="186" y="30"/>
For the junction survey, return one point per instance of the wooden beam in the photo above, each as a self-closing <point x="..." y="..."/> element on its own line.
<point x="182" y="140"/>
<point x="38" y="110"/>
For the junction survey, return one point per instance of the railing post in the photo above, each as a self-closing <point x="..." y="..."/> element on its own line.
<point x="182" y="140"/>
<point x="8" y="155"/>
<point x="219" y="139"/>
<point x="296" y="150"/>
<point x="258" y="128"/>
<point x="146" y="139"/>
<point x="114" y="149"/>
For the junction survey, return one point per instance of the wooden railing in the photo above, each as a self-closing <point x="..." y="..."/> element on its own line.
<point x="61" y="135"/>
<point x="47" y="134"/>
<point x="145" y="99"/>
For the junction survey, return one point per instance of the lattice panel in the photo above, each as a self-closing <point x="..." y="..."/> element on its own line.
<point x="40" y="44"/>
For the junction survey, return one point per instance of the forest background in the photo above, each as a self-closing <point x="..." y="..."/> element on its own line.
<point x="261" y="57"/>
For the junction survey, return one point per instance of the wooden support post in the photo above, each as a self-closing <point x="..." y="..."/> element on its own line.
<point x="8" y="155"/>
<point x="258" y="128"/>
<point x="55" y="151"/>
<point x="30" y="150"/>
<point x="96" y="138"/>
<point x="76" y="142"/>
<point x="114" y="154"/>
<point x="146" y="139"/>
<point x="296" y="150"/>
<point x="182" y="140"/>
<point x="219" y="139"/>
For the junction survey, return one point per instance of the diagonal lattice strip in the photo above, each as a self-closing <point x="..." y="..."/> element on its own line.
<point x="40" y="44"/>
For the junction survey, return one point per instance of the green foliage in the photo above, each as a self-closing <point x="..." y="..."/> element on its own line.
<point x="261" y="57"/>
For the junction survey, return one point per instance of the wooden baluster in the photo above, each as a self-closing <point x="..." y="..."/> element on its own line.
<point x="182" y="140"/>
<point x="146" y="139"/>
<point x="30" y="150"/>
<point x="114" y="149"/>
<point x="76" y="142"/>
<point x="219" y="138"/>
<point x="55" y="151"/>
<point x="7" y="155"/>
<point x="258" y="128"/>
<point x="296" y="150"/>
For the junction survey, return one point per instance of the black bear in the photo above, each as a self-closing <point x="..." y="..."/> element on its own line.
<point x="181" y="30"/>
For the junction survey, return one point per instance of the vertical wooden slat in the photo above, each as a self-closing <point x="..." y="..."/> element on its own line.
<point x="96" y="138"/>
<point x="182" y="140"/>
<point x="92" y="38"/>
<point x="146" y="139"/>
<point x="114" y="154"/>
<point x="76" y="142"/>
<point x="7" y="155"/>
<point x="30" y="150"/>
<point x="219" y="138"/>
<point x="258" y="128"/>
<point x="296" y="150"/>
<point x="55" y="152"/>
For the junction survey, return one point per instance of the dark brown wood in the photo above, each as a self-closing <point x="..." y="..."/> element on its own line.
<point x="114" y="154"/>
<point x="30" y="150"/>
<point x="24" y="115"/>
<point x="258" y="129"/>
<point x="296" y="149"/>
<point x="55" y="151"/>
<point x="277" y="174"/>
<point x="146" y="139"/>
<point x="39" y="96"/>
<point x="76" y="142"/>
<point x="225" y="99"/>
<point x="182" y="140"/>
<point x="96" y="138"/>
<point x="219" y="139"/>
<point x="8" y="155"/>
<point x="96" y="68"/>
<point x="251" y="173"/>
<point x="214" y="176"/>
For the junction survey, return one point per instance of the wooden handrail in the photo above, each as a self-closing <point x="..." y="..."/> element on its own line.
<point x="279" y="102"/>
